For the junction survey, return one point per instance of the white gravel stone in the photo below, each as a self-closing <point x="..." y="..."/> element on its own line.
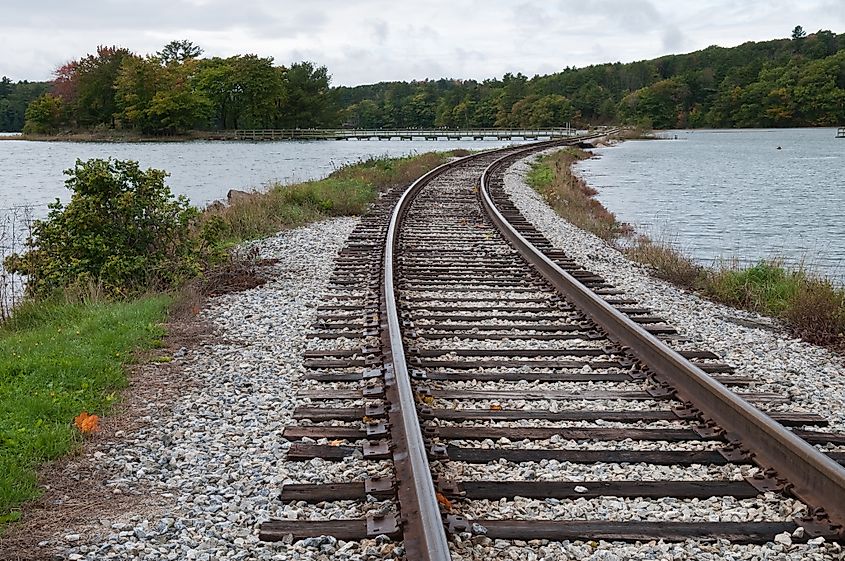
<point x="812" y="378"/>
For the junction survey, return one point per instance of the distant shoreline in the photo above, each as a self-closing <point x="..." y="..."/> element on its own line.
<point x="99" y="137"/>
<point x="122" y="136"/>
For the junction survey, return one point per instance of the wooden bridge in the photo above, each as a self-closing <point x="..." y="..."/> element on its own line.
<point x="398" y="134"/>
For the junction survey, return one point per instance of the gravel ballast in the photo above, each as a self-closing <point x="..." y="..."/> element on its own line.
<point x="215" y="456"/>
<point x="811" y="377"/>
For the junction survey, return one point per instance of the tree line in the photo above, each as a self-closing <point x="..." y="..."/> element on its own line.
<point x="174" y="91"/>
<point x="785" y="82"/>
<point x="14" y="98"/>
<point x="798" y="81"/>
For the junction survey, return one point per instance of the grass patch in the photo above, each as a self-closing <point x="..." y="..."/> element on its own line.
<point x="812" y="307"/>
<point x="57" y="359"/>
<point x="570" y="196"/>
<point x="282" y="207"/>
<point x="765" y="287"/>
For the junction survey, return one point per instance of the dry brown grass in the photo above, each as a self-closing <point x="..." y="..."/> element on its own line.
<point x="570" y="195"/>
<point x="664" y="260"/>
<point x="817" y="313"/>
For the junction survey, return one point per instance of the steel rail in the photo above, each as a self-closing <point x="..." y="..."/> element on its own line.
<point x="810" y="475"/>
<point x="424" y="532"/>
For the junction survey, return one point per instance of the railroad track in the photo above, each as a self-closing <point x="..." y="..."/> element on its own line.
<point x="515" y="392"/>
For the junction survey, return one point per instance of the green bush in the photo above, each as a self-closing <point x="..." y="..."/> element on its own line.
<point x="122" y="229"/>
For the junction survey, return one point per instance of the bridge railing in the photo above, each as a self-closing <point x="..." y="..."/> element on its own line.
<point x="305" y="134"/>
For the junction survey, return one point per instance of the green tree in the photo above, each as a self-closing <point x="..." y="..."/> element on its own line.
<point x="305" y="99"/>
<point x="45" y="115"/>
<point x="14" y="99"/>
<point x="662" y="105"/>
<point x="96" y="75"/>
<point x="798" y="33"/>
<point x="160" y="99"/>
<point x="136" y="85"/>
<point x="819" y="92"/>
<point x="514" y="88"/>
<point x="178" y="52"/>
<point x="245" y="91"/>
<point x="366" y="114"/>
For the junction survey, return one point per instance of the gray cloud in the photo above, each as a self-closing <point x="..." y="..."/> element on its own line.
<point x="372" y="40"/>
<point x="673" y="39"/>
<point x="380" y="30"/>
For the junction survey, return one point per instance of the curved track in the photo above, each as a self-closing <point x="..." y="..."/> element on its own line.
<point x="496" y="349"/>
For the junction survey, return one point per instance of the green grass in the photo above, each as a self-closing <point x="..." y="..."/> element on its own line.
<point x="765" y="287"/>
<point x="283" y="207"/>
<point x="812" y="306"/>
<point x="56" y="360"/>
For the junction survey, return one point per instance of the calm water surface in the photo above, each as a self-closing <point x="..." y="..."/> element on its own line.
<point x="31" y="172"/>
<point x="733" y="194"/>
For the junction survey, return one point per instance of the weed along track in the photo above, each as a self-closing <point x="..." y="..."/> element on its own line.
<point x="509" y="394"/>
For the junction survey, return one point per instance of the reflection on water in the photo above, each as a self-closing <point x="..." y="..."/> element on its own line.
<point x="733" y="194"/>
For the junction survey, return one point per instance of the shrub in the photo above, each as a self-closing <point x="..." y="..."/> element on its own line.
<point x="816" y="312"/>
<point x="122" y="229"/>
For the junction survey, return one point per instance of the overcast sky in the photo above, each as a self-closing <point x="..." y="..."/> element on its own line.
<point x="366" y="41"/>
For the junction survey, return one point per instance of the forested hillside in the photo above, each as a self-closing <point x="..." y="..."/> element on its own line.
<point x="780" y="83"/>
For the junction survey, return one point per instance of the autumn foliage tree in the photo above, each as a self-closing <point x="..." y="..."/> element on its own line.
<point x="95" y="76"/>
<point x="174" y="91"/>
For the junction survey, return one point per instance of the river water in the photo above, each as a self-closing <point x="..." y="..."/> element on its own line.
<point x="732" y="194"/>
<point x="31" y="172"/>
<point x="717" y="194"/>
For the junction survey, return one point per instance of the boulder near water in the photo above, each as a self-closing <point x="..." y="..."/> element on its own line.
<point x="234" y="195"/>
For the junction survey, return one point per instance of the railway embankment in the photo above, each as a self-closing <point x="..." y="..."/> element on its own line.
<point x="812" y="376"/>
<point x="811" y="306"/>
